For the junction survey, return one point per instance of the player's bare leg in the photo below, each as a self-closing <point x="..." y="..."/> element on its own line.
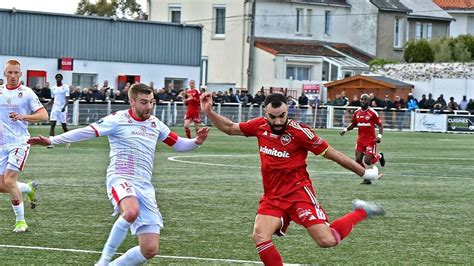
<point x="51" y="132"/>
<point x="9" y="185"/>
<point x="263" y="230"/>
<point x="196" y="126"/>
<point x="322" y="235"/>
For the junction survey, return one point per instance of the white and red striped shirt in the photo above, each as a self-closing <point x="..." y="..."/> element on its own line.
<point x="22" y="100"/>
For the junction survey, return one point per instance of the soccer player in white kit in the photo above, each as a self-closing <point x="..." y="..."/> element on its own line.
<point x="19" y="105"/>
<point x="60" y="99"/>
<point x="132" y="135"/>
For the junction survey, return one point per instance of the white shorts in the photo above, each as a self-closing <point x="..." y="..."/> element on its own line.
<point x="149" y="219"/>
<point x="57" y="115"/>
<point x="14" y="158"/>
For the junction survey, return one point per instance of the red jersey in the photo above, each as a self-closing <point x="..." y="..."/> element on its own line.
<point x="366" y="121"/>
<point x="193" y="101"/>
<point x="283" y="157"/>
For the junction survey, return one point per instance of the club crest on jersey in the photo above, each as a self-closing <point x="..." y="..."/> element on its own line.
<point x="285" y="139"/>
<point x="9" y="101"/>
<point x="20" y="95"/>
<point x="153" y="124"/>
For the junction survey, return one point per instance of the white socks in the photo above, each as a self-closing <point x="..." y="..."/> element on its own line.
<point x="117" y="235"/>
<point x="132" y="257"/>
<point x="24" y="188"/>
<point x="19" y="211"/>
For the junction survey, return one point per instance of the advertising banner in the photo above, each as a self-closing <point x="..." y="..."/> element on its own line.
<point x="430" y="122"/>
<point x="460" y="123"/>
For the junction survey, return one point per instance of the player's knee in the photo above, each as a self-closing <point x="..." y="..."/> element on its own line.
<point x="130" y="215"/>
<point x="259" y="237"/>
<point x="149" y="251"/>
<point x="326" y="242"/>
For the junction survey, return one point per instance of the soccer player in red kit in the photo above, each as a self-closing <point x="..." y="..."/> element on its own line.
<point x="366" y="118"/>
<point x="288" y="190"/>
<point x="194" y="108"/>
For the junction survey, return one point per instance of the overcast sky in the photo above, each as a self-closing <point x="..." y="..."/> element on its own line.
<point x="54" y="6"/>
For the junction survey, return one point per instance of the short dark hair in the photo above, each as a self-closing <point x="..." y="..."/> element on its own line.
<point x="137" y="88"/>
<point x="58" y="75"/>
<point x="275" y="99"/>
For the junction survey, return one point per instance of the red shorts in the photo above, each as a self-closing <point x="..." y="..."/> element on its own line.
<point x="191" y="115"/>
<point x="366" y="149"/>
<point x="301" y="206"/>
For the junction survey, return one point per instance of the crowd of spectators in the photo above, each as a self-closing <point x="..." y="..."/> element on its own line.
<point x="172" y="94"/>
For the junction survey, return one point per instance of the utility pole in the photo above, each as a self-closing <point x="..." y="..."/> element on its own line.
<point x="251" y="47"/>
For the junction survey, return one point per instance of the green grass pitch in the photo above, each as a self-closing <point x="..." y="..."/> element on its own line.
<point x="208" y="198"/>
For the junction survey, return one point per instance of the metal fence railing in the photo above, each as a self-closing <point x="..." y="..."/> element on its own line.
<point x="172" y="114"/>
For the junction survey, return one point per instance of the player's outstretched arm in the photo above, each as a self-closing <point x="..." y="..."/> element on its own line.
<point x="346" y="162"/>
<point x="75" y="135"/>
<point x="224" y="124"/>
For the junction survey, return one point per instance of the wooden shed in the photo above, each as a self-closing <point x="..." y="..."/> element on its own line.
<point x="378" y="85"/>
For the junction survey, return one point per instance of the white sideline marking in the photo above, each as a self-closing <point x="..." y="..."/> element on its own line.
<point x="175" y="159"/>
<point x="158" y="256"/>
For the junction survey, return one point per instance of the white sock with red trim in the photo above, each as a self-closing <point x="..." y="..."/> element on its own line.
<point x="117" y="235"/>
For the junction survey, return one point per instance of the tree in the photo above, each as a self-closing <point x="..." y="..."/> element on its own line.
<point x="460" y="52"/>
<point x="468" y="41"/>
<point x="442" y="50"/>
<point x="122" y="8"/>
<point x="418" y="52"/>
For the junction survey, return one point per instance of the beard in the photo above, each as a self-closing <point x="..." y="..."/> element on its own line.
<point x="365" y="106"/>
<point x="278" y="131"/>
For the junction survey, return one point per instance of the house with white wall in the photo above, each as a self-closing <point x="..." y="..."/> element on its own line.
<point x="462" y="12"/>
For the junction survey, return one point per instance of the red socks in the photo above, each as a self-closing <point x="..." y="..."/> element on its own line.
<point x="375" y="159"/>
<point x="343" y="225"/>
<point x="188" y="132"/>
<point x="268" y="253"/>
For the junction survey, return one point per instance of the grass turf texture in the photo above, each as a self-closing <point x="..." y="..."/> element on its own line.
<point x="209" y="209"/>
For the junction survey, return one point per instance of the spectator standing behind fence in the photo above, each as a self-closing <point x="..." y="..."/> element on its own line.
<point x="463" y="103"/>
<point x="366" y="118"/>
<point x="430" y="102"/>
<point x="399" y="104"/>
<point x="440" y="102"/>
<point x="374" y="101"/>
<point x="45" y="92"/>
<point x="303" y="103"/>
<point x="422" y="102"/>
<point x="412" y="103"/>
<point x="452" y="105"/>
<point x="259" y="97"/>
<point x="233" y="97"/>
<point x="470" y="106"/>
<point x="76" y="94"/>
<point x="388" y="105"/>
<point x="193" y="102"/>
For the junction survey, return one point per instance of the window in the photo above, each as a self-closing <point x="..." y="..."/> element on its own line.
<point x="397" y="37"/>
<point x="423" y="30"/>
<point x="347" y="73"/>
<point x="219" y="20"/>
<point x="298" y="72"/>
<point x="299" y="20"/>
<point x="304" y="21"/>
<point x="84" y="80"/>
<point x="327" y="22"/>
<point x="330" y="71"/>
<point x="175" y="14"/>
<point x="309" y="20"/>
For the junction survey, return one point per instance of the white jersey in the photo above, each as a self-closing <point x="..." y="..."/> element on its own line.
<point x="21" y="100"/>
<point x="132" y="144"/>
<point x="59" y="94"/>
